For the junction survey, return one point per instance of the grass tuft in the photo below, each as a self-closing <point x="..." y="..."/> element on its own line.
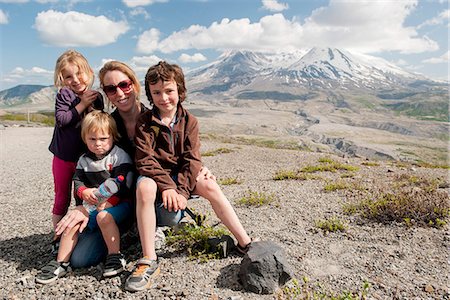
<point x="331" y="225"/>
<point x="194" y="240"/>
<point x="217" y="151"/>
<point x="229" y="181"/>
<point x="254" y="198"/>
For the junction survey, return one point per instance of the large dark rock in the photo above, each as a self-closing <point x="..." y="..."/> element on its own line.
<point x="264" y="268"/>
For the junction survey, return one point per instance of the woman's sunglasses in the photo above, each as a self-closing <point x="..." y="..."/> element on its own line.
<point x="125" y="86"/>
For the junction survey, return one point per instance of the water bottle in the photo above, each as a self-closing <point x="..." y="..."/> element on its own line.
<point x="108" y="188"/>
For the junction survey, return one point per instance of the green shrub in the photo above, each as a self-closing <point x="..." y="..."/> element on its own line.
<point x="293" y="175"/>
<point x="331" y="225"/>
<point x="217" y="151"/>
<point x="194" y="240"/>
<point x="256" y="199"/>
<point x="338" y="185"/>
<point x="229" y="181"/>
<point x="294" y="290"/>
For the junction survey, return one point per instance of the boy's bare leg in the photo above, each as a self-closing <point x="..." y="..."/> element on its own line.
<point x="68" y="241"/>
<point x="210" y="190"/>
<point x="110" y="231"/>
<point x="146" y="215"/>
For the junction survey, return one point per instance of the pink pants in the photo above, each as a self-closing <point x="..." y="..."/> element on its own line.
<point x="62" y="177"/>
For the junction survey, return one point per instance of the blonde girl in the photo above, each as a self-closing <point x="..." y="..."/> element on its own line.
<point x="74" y="78"/>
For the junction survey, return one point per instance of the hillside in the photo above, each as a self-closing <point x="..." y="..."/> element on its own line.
<point x="399" y="262"/>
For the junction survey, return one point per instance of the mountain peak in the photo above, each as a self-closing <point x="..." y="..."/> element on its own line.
<point x="319" y="68"/>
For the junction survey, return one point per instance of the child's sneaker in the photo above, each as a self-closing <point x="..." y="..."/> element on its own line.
<point x="52" y="271"/>
<point x="143" y="275"/>
<point x="115" y="264"/>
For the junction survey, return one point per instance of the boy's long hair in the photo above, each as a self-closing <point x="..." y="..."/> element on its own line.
<point x="76" y="58"/>
<point x="99" y="121"/>
<point x="115" y="65"/>
<point x="165" y="72"/>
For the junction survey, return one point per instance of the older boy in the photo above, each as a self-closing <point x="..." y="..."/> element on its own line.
<point x="168" y="160"/>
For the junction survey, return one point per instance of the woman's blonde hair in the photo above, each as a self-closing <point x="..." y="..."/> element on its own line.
<point x="115" y="65"/>
<point x="99" y="121"/>
<point x="76" y="58"/>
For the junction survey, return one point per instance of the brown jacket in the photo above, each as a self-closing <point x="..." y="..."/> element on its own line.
<point x="171" y="157"/>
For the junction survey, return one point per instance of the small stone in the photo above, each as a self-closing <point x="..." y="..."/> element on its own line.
<point x="429" y="288"/>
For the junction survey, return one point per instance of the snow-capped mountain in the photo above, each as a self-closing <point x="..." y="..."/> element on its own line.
<point x="319" y="68"/>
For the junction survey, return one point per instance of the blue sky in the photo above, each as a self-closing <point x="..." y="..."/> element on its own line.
<point x="412" y="34"/>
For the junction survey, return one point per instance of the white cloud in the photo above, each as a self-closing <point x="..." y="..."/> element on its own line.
<point x="140" y="11"/>
<point x="148" y="41"/>
<point x="444" y="58"/>
<point x="14" y="1"/>
<point x="373" y="26"/>
<point x="135" y="3"/>
<point x="35" y="75"/>
<point x="367" y="27"/>
<point x="274" y="5"/>
<point x="442" y="17"/>
<point x="46" y="1"/>
<point x="74" y="29"/>
<point x="186" y="58"/>
<point x="3" y="17"/>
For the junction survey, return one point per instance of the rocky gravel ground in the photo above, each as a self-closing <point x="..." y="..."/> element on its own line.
<point x="398" y="262"/>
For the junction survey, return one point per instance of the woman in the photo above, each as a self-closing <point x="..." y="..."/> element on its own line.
<point x="123" y="90"/>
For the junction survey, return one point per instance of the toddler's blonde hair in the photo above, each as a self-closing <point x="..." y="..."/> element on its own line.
<point x="99" y="121"/>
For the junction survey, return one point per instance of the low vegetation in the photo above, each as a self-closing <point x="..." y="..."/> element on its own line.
<point x="44" y="118"/>
<point x="229" y="181"/>
<point x="296" y="290"/>
<point x="217" y="151"/>
<point x="254" y="198"/>
<point x="293" y="175"/>
<point x="327" y="166"/>
<point x="255" y="141"/>
<point x="195" y="240"/>
<point x="332" y="224"/>
<point x="410" y="199"/>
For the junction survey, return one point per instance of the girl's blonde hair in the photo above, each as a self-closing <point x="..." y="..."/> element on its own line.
<point x="99" y="121"/>
<point x="76" y="58"/>
<point x="115" y="65"/>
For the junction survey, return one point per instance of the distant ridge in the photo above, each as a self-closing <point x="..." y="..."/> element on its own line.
<point x="27" y="94"/>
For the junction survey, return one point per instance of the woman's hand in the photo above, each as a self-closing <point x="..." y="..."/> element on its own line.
<point x="73" y="217"/>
